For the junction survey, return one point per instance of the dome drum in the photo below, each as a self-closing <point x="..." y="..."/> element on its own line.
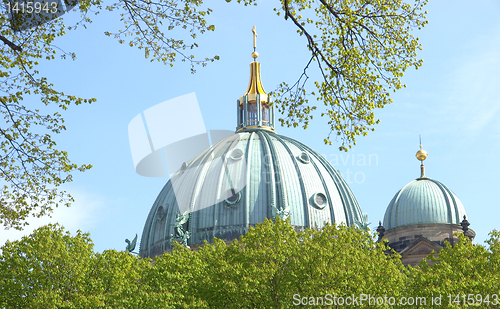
<point x="401" y="237"/>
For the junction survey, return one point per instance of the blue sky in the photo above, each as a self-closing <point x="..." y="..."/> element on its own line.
<point x="453" y="101"/>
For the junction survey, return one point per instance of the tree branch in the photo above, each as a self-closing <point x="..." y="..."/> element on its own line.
<point x="10" y="44"/>
<point x="312" y="45"/>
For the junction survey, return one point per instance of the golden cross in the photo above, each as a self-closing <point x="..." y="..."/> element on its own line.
<point x="254" y="31"/>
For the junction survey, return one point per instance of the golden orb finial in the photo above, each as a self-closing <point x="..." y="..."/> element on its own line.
<point x="421" y="154"/>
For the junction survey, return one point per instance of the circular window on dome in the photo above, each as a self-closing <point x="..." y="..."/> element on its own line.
<point x="304" y="157"/>
<point x="236" y="154"/>
<point x="161" y="213"/>
<point x="319" y="200"/>
<point x="233" y="199"/>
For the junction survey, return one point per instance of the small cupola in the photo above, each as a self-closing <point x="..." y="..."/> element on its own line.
<point x="255" y="110"/>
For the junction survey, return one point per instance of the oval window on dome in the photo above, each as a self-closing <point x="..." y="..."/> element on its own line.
<point x="304" y="157"/>
<point x="161" y="213"/>
<point x="236" y="154"/>
<point x="319" y="200"/>
<point x="233" y="199"/>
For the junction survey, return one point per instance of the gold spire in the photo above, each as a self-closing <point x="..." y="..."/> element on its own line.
<point x="255" y="86"/>
<point x="421" y="156"/>
<point x="255" y="110"/>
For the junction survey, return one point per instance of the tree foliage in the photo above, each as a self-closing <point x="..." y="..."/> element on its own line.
<point x="32" y="168"/>
<point x="46" y="268"/>
<point x="271" y="266"/>
<point x="52" y="269"/>
<point x="264" y="269"/>
<point x="464" y="275"/>
<point x="362" y="49"/>
<point x="174" y="280"/>
<point x="146" y="24"/>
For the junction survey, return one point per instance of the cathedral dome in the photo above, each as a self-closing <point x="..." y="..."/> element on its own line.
<point x="422" y="217"/>
<point x="245" y="178"/>
<point x="240" y="181"/>
<point x="423" y="200"/>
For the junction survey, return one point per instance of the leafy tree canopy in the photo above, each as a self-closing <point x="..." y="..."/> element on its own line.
<point x="31" y="166"/>
<point x="464" y="275"/>
<point x="52" y="269"/>
<point x="271" y="266"/>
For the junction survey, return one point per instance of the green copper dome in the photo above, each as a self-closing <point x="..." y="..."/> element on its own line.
<point x="245" y="178"/>
<point x="423" y="201"/>
<point x="283" y="178"/>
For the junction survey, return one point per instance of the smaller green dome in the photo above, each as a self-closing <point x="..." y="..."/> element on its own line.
<point x="423" y="201"/>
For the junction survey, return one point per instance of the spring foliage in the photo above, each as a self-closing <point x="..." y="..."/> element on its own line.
<point x="32" y="168"/>
<point x="362" y="49"/>
<point x="266" y="268"/>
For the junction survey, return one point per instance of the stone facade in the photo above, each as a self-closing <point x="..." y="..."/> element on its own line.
<point x="415" y="242"/>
